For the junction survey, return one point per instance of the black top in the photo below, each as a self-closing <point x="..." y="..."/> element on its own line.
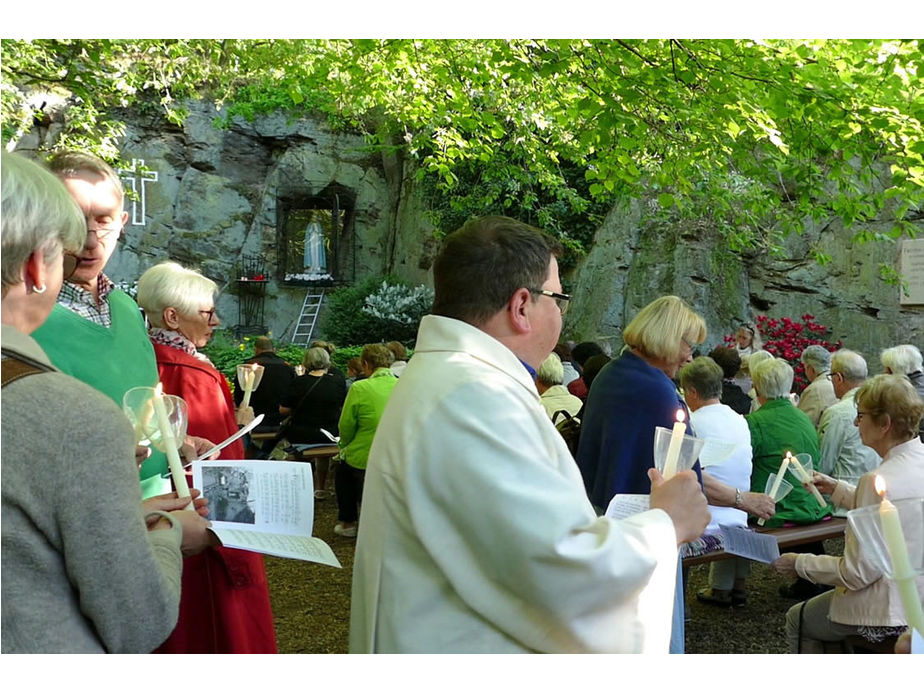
<point x="736" y="398"/>
<point x="278" y="377"/>
<point x="321" y="408"/>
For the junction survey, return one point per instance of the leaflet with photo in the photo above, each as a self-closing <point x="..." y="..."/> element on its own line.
<point x="264" y="506"/>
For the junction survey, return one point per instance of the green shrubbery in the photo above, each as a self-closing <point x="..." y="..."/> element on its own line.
<point x="226" y="353"/>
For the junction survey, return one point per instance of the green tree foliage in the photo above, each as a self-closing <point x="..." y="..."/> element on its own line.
<point x="760" y="136"/>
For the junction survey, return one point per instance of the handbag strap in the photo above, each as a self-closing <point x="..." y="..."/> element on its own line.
<point x="305" y="396"/>
<point x="14" y="368"/>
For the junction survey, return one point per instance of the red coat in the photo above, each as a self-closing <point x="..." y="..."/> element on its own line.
<point x="225" y="603"/>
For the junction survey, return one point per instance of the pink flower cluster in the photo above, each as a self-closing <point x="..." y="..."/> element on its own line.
<point x="786" y="338"/>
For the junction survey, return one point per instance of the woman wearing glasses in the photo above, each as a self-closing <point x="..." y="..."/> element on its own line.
<point x="225" y="606"/>
<point x="865" y="603"/>
<point x="86" y="567"/>
<point x="631" y="396"/>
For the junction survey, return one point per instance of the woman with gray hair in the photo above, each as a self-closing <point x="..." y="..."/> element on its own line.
<point x="777" y="428"/>
<point x="314" y="401"/>
<point x="866" y="602"/>
<point x="86" y="566"/>
<point x="225" y="606"/>
<point x="905" y="359"/>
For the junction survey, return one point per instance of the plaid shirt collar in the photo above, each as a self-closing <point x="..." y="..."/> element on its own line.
<point x="81" y="301"/>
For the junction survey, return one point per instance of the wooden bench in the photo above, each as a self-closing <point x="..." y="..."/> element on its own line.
<point x="323" y="452"/>
<point x="785" y="536"/>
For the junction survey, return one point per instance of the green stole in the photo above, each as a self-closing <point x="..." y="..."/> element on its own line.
<point x="111" y="359"/>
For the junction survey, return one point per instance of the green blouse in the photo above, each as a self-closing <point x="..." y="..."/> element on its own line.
<point x="364" y="405"/>
<point x="777" y="428"/>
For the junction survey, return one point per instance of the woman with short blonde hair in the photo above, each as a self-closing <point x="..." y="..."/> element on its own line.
<point x="663" y="329"/>
<point x="631" y="396"/>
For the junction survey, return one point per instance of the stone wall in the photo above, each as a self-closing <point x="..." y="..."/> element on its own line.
<point x="217" y="199"/>
<point x="632" y="262"/>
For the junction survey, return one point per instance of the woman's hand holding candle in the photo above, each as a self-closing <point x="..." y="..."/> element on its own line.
<point x="779" y="480"/>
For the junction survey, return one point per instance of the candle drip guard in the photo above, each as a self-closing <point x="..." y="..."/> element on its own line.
<point x="689" y="449"/>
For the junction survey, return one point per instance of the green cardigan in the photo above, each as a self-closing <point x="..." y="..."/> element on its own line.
<point x="365" y="402"/>
<point x="111" y="359"/>
<point x="777" y="428"/>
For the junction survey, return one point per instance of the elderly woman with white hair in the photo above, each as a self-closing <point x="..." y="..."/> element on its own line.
<point x="86" y="566"/>
<point x="778" y="427"/>
<point x="225" y="607"/>
<point x="553" y="395"/>
<point x="905" y="359"/>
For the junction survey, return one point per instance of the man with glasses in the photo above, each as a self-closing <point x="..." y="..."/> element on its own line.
<point x="843" y="454"/>
<point x="476" y="534"/>
<point x="95" y="332"/>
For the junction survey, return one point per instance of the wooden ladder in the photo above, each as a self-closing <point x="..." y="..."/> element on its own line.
<point x="308" y="318"/>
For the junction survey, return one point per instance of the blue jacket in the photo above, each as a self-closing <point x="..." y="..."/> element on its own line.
<point x="627" y="401"/>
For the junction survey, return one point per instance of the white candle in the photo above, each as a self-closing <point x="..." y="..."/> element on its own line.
<point x="673" y="450"/>
<point x="170" y="446"/>
<point x="902" y="573"/>
<point x="806" y="479"/>
<point x="249" y="377"/>
<point x="779" y="480"/>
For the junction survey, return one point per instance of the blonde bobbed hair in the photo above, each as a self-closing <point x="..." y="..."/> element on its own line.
<point x="660" y="327"/>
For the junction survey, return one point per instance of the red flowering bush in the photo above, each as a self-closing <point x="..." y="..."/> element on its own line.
<point x="786" y="338"/>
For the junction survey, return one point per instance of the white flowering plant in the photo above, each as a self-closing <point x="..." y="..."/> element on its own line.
<point x="398" y="303"/>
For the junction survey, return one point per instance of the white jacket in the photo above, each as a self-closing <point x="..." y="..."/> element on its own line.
<point x="476" y="534"/>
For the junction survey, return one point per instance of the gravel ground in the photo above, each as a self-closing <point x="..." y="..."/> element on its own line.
<point x="311" y="603"/>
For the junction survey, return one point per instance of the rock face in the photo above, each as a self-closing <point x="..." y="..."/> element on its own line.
<point x="632" y="262"/>
<point x="222" y="196"/>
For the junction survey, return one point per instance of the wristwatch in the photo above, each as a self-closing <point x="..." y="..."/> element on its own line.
<point x="737" y="498"/>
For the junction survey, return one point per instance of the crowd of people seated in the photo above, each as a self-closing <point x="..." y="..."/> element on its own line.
<point x="476" y="528"/>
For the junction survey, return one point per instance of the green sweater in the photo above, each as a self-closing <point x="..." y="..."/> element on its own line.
<point x="364" y="405"/>
<point x="111" y="359"/>
<point x="777" y="428"/>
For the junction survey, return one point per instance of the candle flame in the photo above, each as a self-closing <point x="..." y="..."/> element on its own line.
<point x="159" y="390"/>
<point x="680" y="415"/>
<point x="880" y="486"/>
<point x="788" y="455"/>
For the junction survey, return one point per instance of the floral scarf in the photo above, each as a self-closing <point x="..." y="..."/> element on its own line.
<point x="172" y="338"/>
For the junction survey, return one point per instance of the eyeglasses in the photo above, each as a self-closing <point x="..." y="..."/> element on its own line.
<point x="561" y="300"/>
<point x="210" y="314"/>
<point x="70" y="264"/>
<point x="833" y="373"/>
<point x="692" y="346"/>
<point x="104" y="230"/>
<point x="861" y="414"/>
